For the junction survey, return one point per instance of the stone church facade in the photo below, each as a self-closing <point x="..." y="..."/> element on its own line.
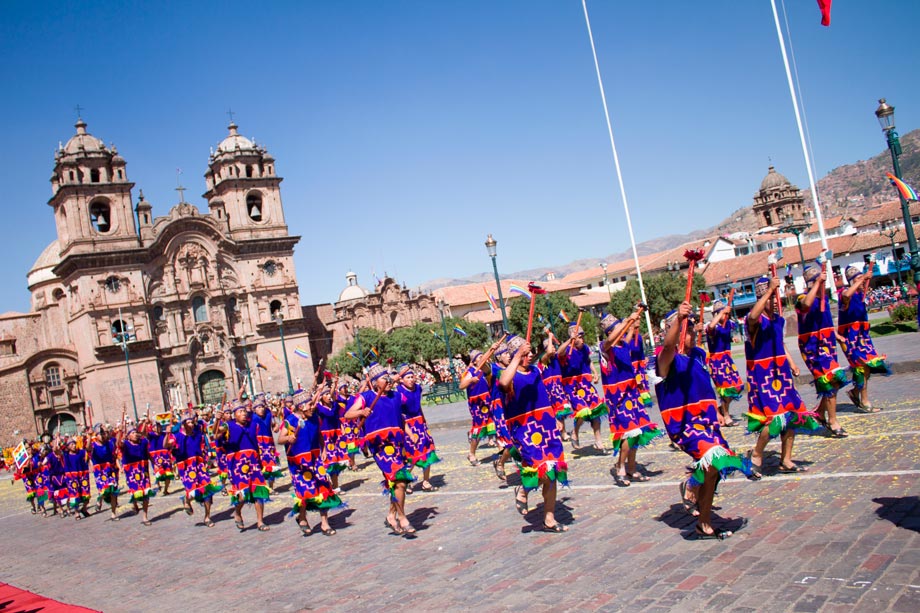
<point x="198" y="298"/>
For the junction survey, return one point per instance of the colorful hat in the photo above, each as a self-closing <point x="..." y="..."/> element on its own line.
<point x="405" y="370"/>
<point x="259" y="400"/>
<point x="811" y="273"/>
<point x="851" y="273"/>
<point x="375" y="371"/>
<point x="717" y="306"/>
<point x="547" y="344"/>
<point x="608" y="323"/>
<point x="301" y="397"/>
<point x="475" y="354"/>
<point x="670" y="316"/>
<point x="236" y="405"/>
<point x="515" y="343"/>
<point x="575" y="329"/>
<point x="761" y="286"/>
<point x="502" y="348"/>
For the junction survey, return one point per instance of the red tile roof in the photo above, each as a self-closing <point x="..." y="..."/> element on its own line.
<point x="472" y="293"/>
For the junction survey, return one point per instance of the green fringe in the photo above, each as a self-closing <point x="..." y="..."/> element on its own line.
<point x="144" y="494"/>
<point x="41" y="500"/>
<point x="209" y="490"/>
<point x="404" y="474"/>
<point x="429" y="460"/>
<point x="530" y="479"/>
<point x="260" y="494"/>
<point x="30" y="496"/>
<point x="635" y="442"/>
<point x="272" y="474"/>
<point x="485" y="432"/>
<point x="106" y="494"/>
<point x="165" y="477"/>
<point x="587" y="414"/>
<point x="807" y="425"/>
<point x="723" y="463"/>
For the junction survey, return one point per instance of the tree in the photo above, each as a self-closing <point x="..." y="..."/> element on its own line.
<point x="546" y="315"/>
<point x="664" y="292"/>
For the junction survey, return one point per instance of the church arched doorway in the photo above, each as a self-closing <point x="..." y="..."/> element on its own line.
<point x="62" y="424"/>
<point x="211" y="386"/>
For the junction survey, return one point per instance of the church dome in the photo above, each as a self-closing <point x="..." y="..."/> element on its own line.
<point x="41" y="270"/>
<point x="234" y="141"/>
<point x="773" y="180"/>
<point x="82" y="141"/>
<point x="352" y="291"/>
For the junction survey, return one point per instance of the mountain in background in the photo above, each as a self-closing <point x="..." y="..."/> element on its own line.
<point x="845" y="192"/>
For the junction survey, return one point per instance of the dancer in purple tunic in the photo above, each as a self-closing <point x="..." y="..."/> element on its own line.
<point x="578" y="380"/>
<point x="189" y="447"/>
<point x="774" y="406"/>
<point x="728" y="384"/>
<point x="135" y="462"/>
<point x="164" y="469"/>
<point x="630" y="425"/>
<point x="532" y="424"/>
<point x="818" y="345"/>
<point x="268" y="451"/>
<point x="77" y="475"/>
<point x="853" y="334"/>
<point x="551" y="371"/>
<point x="240" y="442"/>
<point x="334" y="456"/>
<point x="688" y="408"/>
<point x="420" y="447"/>
<point x="385" y="435"/>
<point x="103" y="455"/>
<point x="57" y="478"/>
<point x="479" y="401"/>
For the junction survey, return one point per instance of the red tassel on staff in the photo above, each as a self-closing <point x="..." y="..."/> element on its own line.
<point x="534" y="289"/>
<point x="692" y="256"/>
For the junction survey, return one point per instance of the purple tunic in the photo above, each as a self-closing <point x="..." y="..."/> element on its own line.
<point x="135" y="460"/>
<point x="420" y="447"/>
<point x="818" y="345"/>
<point x="853" y="326"/>
<point x="721" y="365"/>
<point x="578" y="381"/>
<point x="479" y="401"/>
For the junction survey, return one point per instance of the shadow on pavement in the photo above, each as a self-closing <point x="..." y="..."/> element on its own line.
<point x="352" y="484"/>
<point x="419" y="516"/>
<point x="166" y="515"/>
<point x="903" y="512"/>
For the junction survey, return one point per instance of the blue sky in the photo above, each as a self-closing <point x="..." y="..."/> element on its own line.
<point x="407" y="131"/>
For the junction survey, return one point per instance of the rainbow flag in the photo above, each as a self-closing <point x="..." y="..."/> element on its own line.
<point x="354" y="355"/>
<point x="517" y="289"/>
<point x="300" y="353"/>
<point x="907" y="192"/>
<point x="561" y="314"/>
<point x="274" y="357"/>
<point x="261" y="365"/>
<point x="374" y="352"/>
<point x="459" y="330"/>
<point x="491" y="299"/>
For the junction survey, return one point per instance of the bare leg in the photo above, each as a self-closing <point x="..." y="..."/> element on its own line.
<point x="474" y="443"/>
<point x="146" y="505"/>
<point x="324" y="520"/>
<point x="400" y="503"/>
<point x="426" y="477"/>
<point x="759" y="446"/>
<point x="704" y="500"/>
<point x="549" y="503"/>
<point x="560" y="424"/>
<point x="631" y="461"/>
<point x="596" y="427"/>
<point x="864" y="392"/>
<point x="207" y="512"/>
<point x="622" y="477"/>
<point x="830" y="404"/>
<point x="787" y="438"/>
<point x="260" y="512"/>
<point x="575" y="430"/>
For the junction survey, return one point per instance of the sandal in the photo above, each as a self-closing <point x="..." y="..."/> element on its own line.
<point x="328" y="531"/>
<point x="621" y="480"/>
<point x="263" y="528"/>
<point x="305" y="528"/>
<point x="689" y="507"/>
<point x="839" y="433"/>
<point x="473" y="460"/>
<point x="639" y="477"/>
<point x="391" y="528"/>
<point x="147" y="522"/>
<point x="408" y="530"/>
<point x="429" y="488"/>
<point x="209" y="523"/>
<point x="755" y="474"/>
<point x="574" y="440"/>
<point x="788" y="470"/>
<point x="520" y="505"/>
<point x="719" y="535"/>
<point x="866" y="409"/>
<point x="556" y="528"/>
<point x="499" y="470"/>
<point x="240" y="525"/>
<point x="189" y="510"/>
<point x="114" y="518"/>
<point x="853" y="395"/>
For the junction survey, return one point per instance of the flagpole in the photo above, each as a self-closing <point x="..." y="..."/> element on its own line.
<point x="616" y="161"/>
<point x="798" y="121"/>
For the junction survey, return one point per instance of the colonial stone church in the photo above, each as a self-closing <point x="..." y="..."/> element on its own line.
<point x="188" y="303"/>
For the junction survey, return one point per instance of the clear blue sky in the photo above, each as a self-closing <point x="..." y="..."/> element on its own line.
<point x="407" y="131"/>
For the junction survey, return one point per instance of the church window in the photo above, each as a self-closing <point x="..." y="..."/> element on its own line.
<point x="199" y="309"/>
<point x="8" y="346"/>
<point x="121" y="332"/>
<point x="113" y="284"/>
<point x="53" y="375"/>
<point x="101" y="216"/>
<point x="71" y="175"/>
<point x="120" y="175"/>
<point x="94" y="175"/>
<point x="275" y="308"/>
<point x="158" y="313"/>
<point x="254" y="206"/>
<point x="270" y="268"/>
<point x="249" y="170"/>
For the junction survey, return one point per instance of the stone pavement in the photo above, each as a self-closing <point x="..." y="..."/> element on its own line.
<point x="841" y="537"/>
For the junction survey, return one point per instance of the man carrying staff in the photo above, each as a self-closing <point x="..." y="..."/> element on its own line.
<point x="578" y="380"/>
<point x="775" y="407"/>
<point x="479" y="400"/>
<point x="689" y="409"/>
<point x="729" y="386"/>
<point x="818" y="345"/>
<point x="188" y="446"/>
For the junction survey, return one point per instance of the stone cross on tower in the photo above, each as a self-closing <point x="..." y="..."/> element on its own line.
<point x="78" y="109"/>
<point x="230" y="113"/>
<point x="181" y="191"/>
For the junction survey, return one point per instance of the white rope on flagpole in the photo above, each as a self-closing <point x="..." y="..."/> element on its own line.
<point x="616" y="162"/>
<point x="805" y="153"/>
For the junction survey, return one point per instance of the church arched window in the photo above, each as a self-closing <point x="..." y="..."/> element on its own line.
<point x="254" y="206"/>
<point x="53" y="375"/>
<point x="274" y="308"/>
<point x="199" y="309"/>
<point x="100" y="214"/>
<point x="94" y="175"/>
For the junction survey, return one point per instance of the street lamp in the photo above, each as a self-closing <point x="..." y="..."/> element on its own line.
<point x="246" y="362"/>
<point x="891" y="230"/>
<point x="450" y="356"/>
<point x="603" y="265"/>
<point x="122" y="336"/>
<point x="491" y="245"/>
<point x="885" y="115"/>
<point x="279" y="319"/>
<point x="797" y="227"/>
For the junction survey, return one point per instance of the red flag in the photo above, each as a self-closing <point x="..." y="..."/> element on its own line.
<point x="825" y="6"/>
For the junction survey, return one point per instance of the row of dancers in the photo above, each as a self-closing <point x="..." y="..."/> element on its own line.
<point x="516" y="398"/>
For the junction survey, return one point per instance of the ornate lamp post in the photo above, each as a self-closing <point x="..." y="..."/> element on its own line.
<point x="797" y="227"/>
<point x="603" y="265"/>
<point x="891" y="230"/>
<point x="442" y="306"/>
<point x="279" y="319"/>
<point x="885" y="115"/>
<point x="491" y="245"/>
<point x="246" y="362"/>
<point x="121" y="337"/>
